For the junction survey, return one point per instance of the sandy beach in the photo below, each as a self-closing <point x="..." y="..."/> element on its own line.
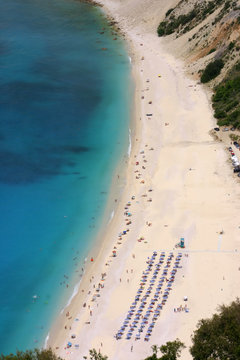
<point x="179" y="183"/>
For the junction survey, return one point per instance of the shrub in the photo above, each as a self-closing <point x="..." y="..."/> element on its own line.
<point x="169" y="12"/>
<point x="212" y="70"/>
<point x="161" y="28"/>
<point x="211" y="51"/>
<point x="231" y="45"/>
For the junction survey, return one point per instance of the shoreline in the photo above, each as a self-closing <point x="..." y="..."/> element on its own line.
<point x="180" y="201"/>
<point x="107" y="219"/>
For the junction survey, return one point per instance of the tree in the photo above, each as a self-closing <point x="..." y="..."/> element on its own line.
<point x="218" y="337"/>
<point x="155" y="349"/>
<point x="32" y="355"/>
<point x="171" y="350"/>
<point x="94" y="355"/>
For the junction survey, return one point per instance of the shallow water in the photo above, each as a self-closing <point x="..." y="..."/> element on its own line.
<point x="64" y="119"/>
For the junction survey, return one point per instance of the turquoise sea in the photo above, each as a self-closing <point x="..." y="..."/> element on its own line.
<point x="65" y="94"/>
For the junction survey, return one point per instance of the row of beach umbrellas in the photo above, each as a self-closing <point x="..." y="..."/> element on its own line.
<point x="143" y="298"/>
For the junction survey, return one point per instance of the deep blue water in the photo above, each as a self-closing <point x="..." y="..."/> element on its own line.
<point x="64" y="117"/>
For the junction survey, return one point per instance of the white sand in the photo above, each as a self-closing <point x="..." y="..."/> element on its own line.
<point x="194" y="195"/>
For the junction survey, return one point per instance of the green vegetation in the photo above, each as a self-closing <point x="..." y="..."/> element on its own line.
<point x="168" y="27"/>
<point x="231" y="45"/>
<point x="32" y="355"/>
<point x="171" y="351"/>
<point x="218" y="337"/>
<point x="183" y="23"/>
<point x="212" y="70"/>
<point x="226" y="100"/>
<point x="169" y="12"/>
<point x="94" y="355"/>
<point x="212" y="51"/>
